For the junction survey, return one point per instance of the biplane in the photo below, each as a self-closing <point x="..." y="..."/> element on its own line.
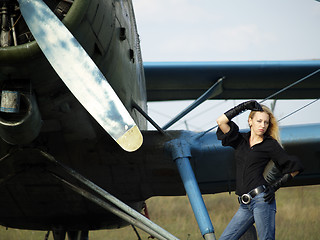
<point x="75" y="151"/>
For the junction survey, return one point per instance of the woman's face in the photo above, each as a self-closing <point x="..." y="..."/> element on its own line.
<point x="259" y="123"/>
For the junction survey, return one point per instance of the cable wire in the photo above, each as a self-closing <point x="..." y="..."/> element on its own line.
<point x="291" y="85"/>
<point x="276" y="93"/>
<point x="298" y="109"/>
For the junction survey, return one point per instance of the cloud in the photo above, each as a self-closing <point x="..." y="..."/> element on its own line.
<point x="229" y="30"/>
<point x="242" y="38"/>
<point x="173" y="11"/>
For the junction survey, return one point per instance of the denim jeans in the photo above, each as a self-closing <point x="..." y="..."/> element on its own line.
<point x="257" y="211"/>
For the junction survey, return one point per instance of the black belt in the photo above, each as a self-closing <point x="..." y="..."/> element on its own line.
<point x="246" y="198"/>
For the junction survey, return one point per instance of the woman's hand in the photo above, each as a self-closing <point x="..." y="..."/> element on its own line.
<point x="272" y="188"/>
<point x="249" y="105"/>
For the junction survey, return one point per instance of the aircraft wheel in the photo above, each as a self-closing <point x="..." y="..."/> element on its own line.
<point x="78" y="235"/>
<point x="60" y="234"/>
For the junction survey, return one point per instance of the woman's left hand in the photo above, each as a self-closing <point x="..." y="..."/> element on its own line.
<point x="271" y="189"/>
<point x="269" y="194"/>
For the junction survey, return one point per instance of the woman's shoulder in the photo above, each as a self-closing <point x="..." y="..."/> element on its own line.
<point x="234" y="129"/>
<point x="271" y="143"/>
<point x="271" y="140"/>
<point x="231" y="138"/>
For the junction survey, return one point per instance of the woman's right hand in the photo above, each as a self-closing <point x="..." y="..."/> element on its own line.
<point x="248" y="105"/>
<point x="253" y="105"/>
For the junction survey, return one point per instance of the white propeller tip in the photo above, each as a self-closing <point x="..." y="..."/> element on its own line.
<point x="131" y="140"/>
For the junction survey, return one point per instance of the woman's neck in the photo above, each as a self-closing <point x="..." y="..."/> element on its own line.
<point x="255" y="139"/>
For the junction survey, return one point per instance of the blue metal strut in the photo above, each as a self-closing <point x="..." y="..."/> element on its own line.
<point x="180" y="152"/>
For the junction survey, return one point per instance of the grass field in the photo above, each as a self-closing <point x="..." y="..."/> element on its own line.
<point x="298" y="217"/>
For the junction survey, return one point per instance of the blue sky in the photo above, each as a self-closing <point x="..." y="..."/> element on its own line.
<point x="229" y="30"/>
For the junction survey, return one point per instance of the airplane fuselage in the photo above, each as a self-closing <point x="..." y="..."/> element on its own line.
<point x="107" y="31"/>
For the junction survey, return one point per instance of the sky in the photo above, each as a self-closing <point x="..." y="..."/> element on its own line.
<point x="228" y="30"/>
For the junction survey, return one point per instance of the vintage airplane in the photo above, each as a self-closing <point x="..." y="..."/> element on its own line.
<point x="68" y="141"/>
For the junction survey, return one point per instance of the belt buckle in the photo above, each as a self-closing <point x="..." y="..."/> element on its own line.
<point x="245" y="198"/>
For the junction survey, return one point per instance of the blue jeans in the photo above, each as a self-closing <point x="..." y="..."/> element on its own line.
<point x="257" y="211"/>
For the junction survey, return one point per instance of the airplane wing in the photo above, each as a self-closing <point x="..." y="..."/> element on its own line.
<point x="243" y="79"/>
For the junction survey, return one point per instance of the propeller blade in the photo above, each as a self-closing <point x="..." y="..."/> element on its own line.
<point x="80" y="74"/>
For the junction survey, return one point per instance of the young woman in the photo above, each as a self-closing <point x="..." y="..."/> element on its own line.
<point x="253" y="151"/>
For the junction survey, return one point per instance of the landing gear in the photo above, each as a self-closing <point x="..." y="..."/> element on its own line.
<point x="103" y="199"/>
<point x="60" y="234"/>
<point x="78" y="235"/>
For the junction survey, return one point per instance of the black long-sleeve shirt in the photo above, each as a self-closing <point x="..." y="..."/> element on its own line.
<point x="251" y="161"/>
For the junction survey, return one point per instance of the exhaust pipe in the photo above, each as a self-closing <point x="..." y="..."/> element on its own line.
<point x="20" y="120"/>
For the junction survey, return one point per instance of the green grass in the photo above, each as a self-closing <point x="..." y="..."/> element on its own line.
<point x="298" y="214"/>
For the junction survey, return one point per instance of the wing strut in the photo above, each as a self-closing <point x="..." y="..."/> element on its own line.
<point x="180" y="153"/>
<point x="214" y="90"/>
<point x="146" y="116"/>
<point x="107" y="201"/>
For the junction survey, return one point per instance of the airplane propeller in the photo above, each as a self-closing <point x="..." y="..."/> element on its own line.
<point x="80" y="74"/>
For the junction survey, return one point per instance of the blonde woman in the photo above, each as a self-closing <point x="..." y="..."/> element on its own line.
<point x="253" y="151"/>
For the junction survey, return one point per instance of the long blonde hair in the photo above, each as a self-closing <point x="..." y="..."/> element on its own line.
<point x="273" y="129"/>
